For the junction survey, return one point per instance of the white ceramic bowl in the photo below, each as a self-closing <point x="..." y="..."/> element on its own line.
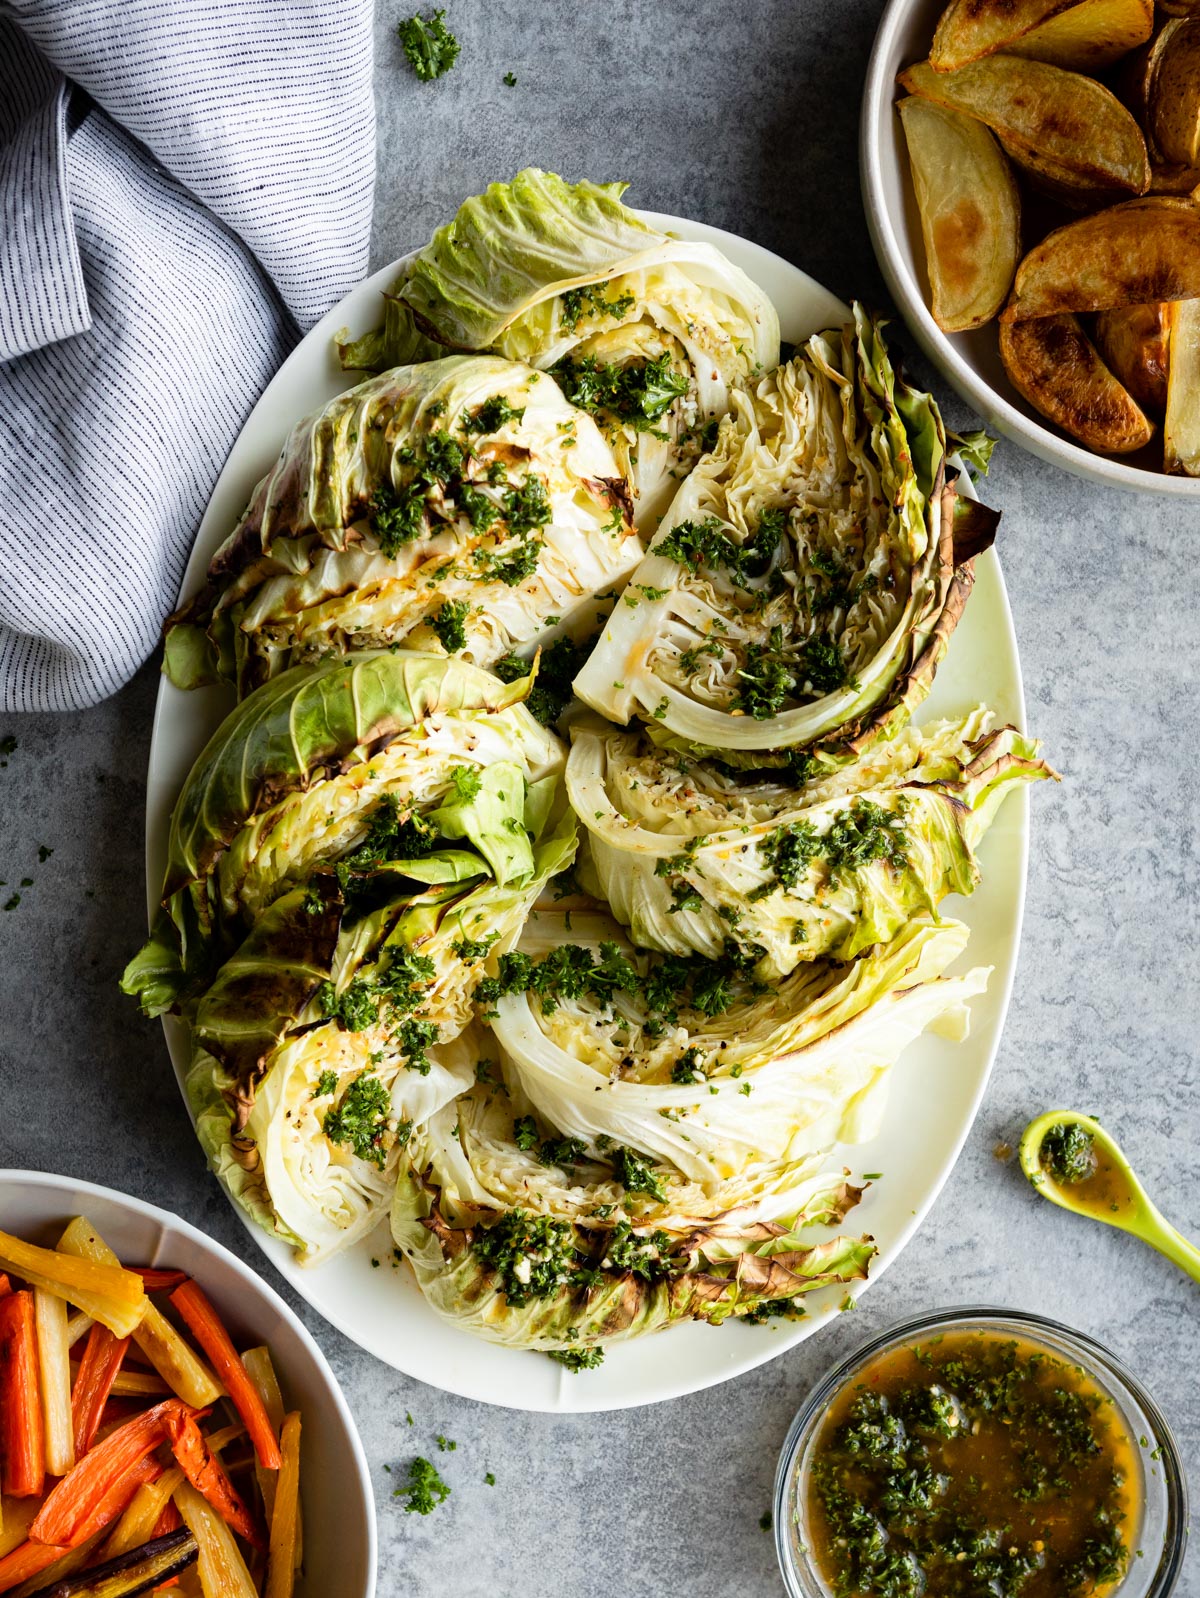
<point x="340" y="1546"/>
<point x="970" y="362"/>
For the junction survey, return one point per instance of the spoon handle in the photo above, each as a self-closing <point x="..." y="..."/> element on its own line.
<point x="1160" y="1234"/>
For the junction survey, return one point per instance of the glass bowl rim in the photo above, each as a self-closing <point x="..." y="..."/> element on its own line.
<point x="1096" y="1357"/>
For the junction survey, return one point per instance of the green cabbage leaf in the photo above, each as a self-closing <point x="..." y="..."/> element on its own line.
<point x="646" y="332"/>
<point x="461" y="506"/>
<point x="803" y="586"/>
<point x="689" y="853"/>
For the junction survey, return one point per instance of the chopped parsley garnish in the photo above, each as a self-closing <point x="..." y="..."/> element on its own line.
<point x="525" y="1133"/>
<point x="470" y="949"/>
<point x="513" y="568"/>
<point x="398" y="516"/>
<point x="510" y="82"/>
<point x="326" y="1085"/>
<point x="706" y="543"/>
<point x="590" y="301"/>
<point x="635" y="1174"/>
<point x="825" y="666"/>
<point x="354" y="1009"/>
<point x="636" y="395"/>
<point x="448" y="625"/>
<point x="414" y="1038"/>
<point x="688" y="1068"/>
<point x="527" y="508"/>
<point x="790" y="850"/>
<point x="467" y="781"/>
<point x="360" y="1121"/>
<point x="578" y="1359"/>
<point x="445" y="1445"/>
<point x="553" y="686"/>
<point x="429" y="45"/>
<point x="533" y="1255"/>
<point x="491" y="416"/>
<point x="425" y="1488"/>
<point x="864" y="833"/>
<point x="564" y="1151"/>
<point x="644" y="1255"/>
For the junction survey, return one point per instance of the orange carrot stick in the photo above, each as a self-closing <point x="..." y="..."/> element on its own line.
<point x="205" y="1326"/>
<point x="30" y="1559"/>
<point x="5" y="1285"/>
<point x="97" y="1371"/>
<point x="207" y="1475"/>
<point x="22" y="1433"/>
<point x="26" y="1561"/>
<point x="155" y="1280"/>
<point x="64" y="1518"/>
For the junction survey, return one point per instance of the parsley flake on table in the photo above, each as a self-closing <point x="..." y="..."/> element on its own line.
<point x="425" y="1488"/>
<point x="429" y="45"/>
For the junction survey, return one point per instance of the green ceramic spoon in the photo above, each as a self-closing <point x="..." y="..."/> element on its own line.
<point x="1111" y="1193"/>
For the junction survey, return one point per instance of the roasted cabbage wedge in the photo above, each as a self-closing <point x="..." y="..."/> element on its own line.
<point x="507" y="1242"/>
<point x="689" y="855"/>
<point x="315" y="1058"/>
<point x="647" y="332"/>
<point x="463" y="505"/>
<point x="726" y="1082"/>
<point x="804" y="584"/>
<point x="386" y="768"/>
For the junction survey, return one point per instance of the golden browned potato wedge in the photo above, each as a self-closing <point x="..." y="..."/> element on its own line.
<point x="1179" y="8"/>
<point x="1132" y="254"/>
<point x="1067" y="129"/>
<point x="970" y="213"/>
<point x="1058" y="369"/>
<point x="1134" y="342"/>
<point x="1174" y="95"/>
<point x="1175" y="180"/>
<point x="1181" y="432"/>
<point x="1088" y="34"/>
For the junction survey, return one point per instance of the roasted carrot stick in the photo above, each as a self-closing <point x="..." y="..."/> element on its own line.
<point x="97" y="1371"/>
<point x="22" y="1432"/>
<point x="5" y="1285"/>
<point x="205" y="1325"/>
<point x="155" y="1280"/>
<point x="26" y="1561"/>
<point x="281" y="1567"/>
<point x="207" y="1475"/>
<point x="63" y="1518"/>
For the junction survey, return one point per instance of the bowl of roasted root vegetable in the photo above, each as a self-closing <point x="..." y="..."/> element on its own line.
<point x="164" y="1417"/>
<point x="1031" y="178"/>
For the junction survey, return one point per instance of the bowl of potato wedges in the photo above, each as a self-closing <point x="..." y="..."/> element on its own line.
<point x="1031" y="176"/>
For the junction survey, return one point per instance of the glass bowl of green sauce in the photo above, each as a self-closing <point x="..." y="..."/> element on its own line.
<point x="980" y="1451"/>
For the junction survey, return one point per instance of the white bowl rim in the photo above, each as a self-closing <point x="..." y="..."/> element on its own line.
<point x="52" y="1181"/>
<point x="877" y="103"/>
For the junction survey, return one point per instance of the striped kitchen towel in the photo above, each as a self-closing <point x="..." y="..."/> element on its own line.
<point x="184" y="186"/>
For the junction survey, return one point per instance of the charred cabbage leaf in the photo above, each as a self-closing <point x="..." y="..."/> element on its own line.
<point x="463" y="506"/>
<point x="312" y="1066"/>
<point x="390" y="767"/>
<point x="802" y="588"/>
<point x="689" y="854"/>
<point x="647" y="333"/>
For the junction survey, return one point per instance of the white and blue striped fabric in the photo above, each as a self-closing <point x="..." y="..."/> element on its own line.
<point x="184" y="184"/>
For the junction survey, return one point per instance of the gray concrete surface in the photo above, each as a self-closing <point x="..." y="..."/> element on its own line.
<point x="744" y="116"/>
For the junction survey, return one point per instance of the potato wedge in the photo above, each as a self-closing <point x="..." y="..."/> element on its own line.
<point x="1174" y="96"/>
<point x="1181" y="431"/>
<point x="1135" y="342"/>
<point x="1132" y="254"/>
<point x="1175" y="180"/>
<point x="1058" y="369"/>
<point x="1067" y="129"/>
<point x="1179" y="8"/>
<point x="1086" y="34"/>
<point x="970" y="213"/>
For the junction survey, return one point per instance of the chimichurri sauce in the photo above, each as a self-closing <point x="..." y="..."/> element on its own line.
<point x="1070" y="1158"/>
<point x="972" y="1465"/>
